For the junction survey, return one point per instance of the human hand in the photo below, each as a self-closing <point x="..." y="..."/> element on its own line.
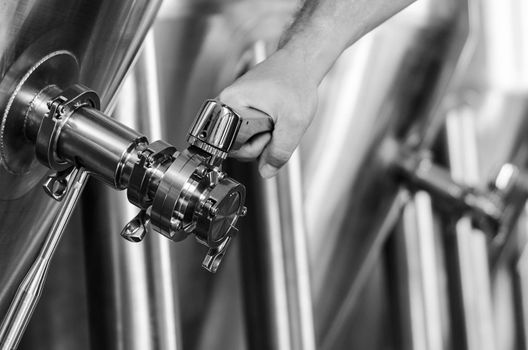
<point x="283" y="88"/>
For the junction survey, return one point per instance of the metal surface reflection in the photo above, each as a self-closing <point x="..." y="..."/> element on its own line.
<point x="360" y="210"/>
<point x="277" y="291"/>
<point x="104" y="36"/>
<point x="144" y="313"/>
<point x="202" y="47"/>
<point x="414" y="241"/>
<point x="178" y="193"/>
<point x="420" y="294"/>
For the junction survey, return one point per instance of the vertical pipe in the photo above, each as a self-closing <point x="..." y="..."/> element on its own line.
<point x="520" y="281"/>
<point x="295" y="247"/>
<point x="473" y="310"/>
<point x="422" y="298"/>
<point x="278" y="300"/>
<point x="29" y="291"/>
<point x="284" y="302"/>
<point x="137" y="308"/>
<point x="160" y="256"/>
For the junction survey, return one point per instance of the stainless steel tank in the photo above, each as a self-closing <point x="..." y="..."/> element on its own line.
<point x="104" y="37"/>
<point x="391" y="86"/>
<point x="352" y="200"/>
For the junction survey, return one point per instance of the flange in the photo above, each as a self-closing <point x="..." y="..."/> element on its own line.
<point x="24" y="90"/>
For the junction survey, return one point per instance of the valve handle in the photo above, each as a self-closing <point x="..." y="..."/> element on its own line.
<point x="253" y="122"/>
<point x="218" y="128"/>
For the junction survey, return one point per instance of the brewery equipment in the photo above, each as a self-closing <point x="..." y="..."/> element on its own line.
<point x="48" y="116"/>
<point x="387" y="221"/>
<point x="104" y="37"/>
<point x="178" y="193"/>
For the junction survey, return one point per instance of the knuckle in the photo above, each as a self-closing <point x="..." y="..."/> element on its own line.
<point x="225" y="95"/>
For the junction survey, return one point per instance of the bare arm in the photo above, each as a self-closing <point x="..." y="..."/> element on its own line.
<point x="285" y="85"/>
<point x="323" y="29"/>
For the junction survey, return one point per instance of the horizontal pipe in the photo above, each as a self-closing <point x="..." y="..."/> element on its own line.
<point x="95" y="141"/>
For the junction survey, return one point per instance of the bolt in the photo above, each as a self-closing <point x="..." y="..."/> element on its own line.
<point x="201" y="170"/>
<point x="243" y="211"/>
<point x="176" y="224"/>
<point x="209" y="207"/>
<point x="213" y="211"/>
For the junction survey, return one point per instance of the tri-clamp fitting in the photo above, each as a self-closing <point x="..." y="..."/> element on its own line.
<point x="178" y="193"/>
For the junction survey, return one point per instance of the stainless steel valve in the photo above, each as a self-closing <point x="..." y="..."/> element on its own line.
<point x="178" y="192"/>
<point x="50" y="121"/>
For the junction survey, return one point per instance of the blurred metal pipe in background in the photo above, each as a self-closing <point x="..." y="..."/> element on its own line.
<point x="520" y="266"/>
<point x="421" y="299"/>
<point x="493" y="89"/>
<point x="28" y="294"/>
<point x="200" y="46"/>
<point x="275" y="264"/>
<point x="278" y="301"/>
<point x="138" y="306"/>
<point x="472" y="308"/>
<point x="370" y="102"/>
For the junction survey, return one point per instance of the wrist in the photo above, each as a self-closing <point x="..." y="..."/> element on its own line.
<point x="315" y="48"/>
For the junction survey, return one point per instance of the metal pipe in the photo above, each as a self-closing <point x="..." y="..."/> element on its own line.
<point x="472" y="309"/>
<point x="520" y="275"/>
<point x="294" y="240"/>
<point x="169" y="187"/>
<point x="275" y="265"/>
<point x="95" y="141"/>
<point x="28" y="293"/>
<point x="284" y="287"/>
<point x="163" y="260"/>
<point x="418" y="263"/>
<point x="138" y="308"/>
<point x="361" y="206"/>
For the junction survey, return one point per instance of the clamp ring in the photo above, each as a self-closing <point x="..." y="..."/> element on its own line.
<point x="61" y="108"/>
<point x="158" y="153"/>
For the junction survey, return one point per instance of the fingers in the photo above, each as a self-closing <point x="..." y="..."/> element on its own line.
<point x="272" y="150"/>
<point x="285" y="94"/>
<point x="233" y="98"/>
<point x="285" y="138"/>
<point x="252" y="149"/>
<point x="237" y="99"/>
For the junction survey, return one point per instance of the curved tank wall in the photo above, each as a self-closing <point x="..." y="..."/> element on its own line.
<point x="104" y="36"/>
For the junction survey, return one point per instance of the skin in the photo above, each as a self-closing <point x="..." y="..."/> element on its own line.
<point x="284" y="86"/>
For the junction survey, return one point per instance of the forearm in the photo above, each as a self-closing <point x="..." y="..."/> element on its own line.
<point x="284" y="86"/>
<point x="323" y="29"/>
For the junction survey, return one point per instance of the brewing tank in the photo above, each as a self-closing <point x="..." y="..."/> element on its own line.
<point x="102" y="37"/>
